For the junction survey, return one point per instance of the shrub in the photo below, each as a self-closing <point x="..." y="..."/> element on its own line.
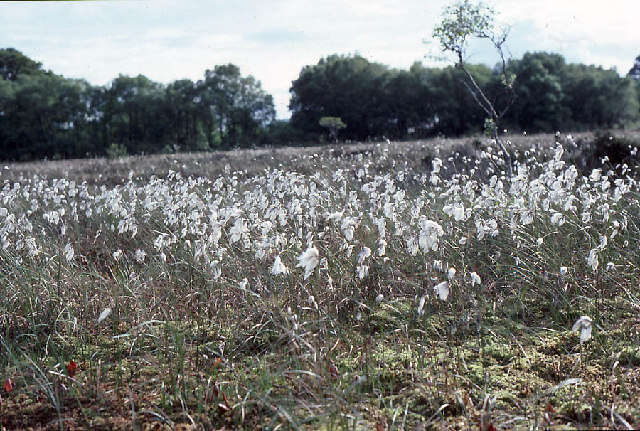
<point x="334" y="125"/>
<point x="116" y="150"/>
<point x="606" y="149"/>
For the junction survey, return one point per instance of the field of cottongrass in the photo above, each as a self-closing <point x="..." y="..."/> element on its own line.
<point x="383" y="286"/>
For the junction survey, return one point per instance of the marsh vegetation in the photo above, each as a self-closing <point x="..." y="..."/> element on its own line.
<point x="373" y="286"/>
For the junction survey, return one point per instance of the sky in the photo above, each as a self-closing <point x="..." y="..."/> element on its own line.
<point x="273" y="39"/>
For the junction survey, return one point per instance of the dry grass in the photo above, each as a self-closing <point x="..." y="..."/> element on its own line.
<point x="415" y="155"/>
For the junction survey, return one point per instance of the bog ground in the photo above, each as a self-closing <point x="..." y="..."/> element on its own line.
<point x="367" y="286"/>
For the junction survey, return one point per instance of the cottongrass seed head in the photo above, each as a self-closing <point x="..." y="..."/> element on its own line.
<point x="308" y="260"/>
<point x="584" y="324"/>
<point x="279" y="267"/>
<point x="105" y="313"/>
<point x="442" y="289"/>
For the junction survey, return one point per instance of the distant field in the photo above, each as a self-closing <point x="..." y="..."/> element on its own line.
<point x="380" y="286"/>
<point x="103" y="171"/>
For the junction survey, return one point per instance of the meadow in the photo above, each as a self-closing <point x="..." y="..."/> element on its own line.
<point x="382" y="286"/>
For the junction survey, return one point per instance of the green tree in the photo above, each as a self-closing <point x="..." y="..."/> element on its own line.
<point x="46" y="115"/>
<point x="634" y="72"/>
<point x="186" y="119"/>
<point x="540" y="103"/>
<point x="409" y="104"/>
<point x="13" y="63"/>
<point x="281" y="132"/>
<point x="333" y="125"/>
<point x="251" y="112"/>
<point x="599" y="98"/>
<point x="234" y="108"/>
<point x="349" y="87"/>
<point x="133" y="111"/>
<point x="42" y="116"/>
<point x="456" y="112"/>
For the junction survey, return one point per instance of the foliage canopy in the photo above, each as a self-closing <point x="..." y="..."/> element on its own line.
<point x="45" y="115"/>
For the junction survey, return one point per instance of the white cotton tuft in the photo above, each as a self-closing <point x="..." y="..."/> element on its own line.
<point x="421" y="305"/>
<point x="140" y="255"/>
<point x="363" y="271"/>
<point x="68" y="252"/>
<point x="105" y="313"/>
<point x="309" y="260"/>
<point x="592" y="259"/>
<point x="364" y="253"/>
<point x="584" y="324"/>
<point x="451" y="273"/>
<point x="117" y="255"/>
<point x="279" y="267"/>
<point x="442" y="289"/>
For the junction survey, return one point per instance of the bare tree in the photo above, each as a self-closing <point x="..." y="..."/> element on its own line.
<point x="461" y="22"/>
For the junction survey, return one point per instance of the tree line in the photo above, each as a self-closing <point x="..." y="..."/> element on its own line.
<point x="45" y="115"/>
<point x="374" y="100"/>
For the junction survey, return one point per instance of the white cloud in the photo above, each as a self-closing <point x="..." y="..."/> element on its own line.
<point x="613" y="21"/>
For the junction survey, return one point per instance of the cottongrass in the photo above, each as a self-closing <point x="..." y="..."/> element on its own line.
<point x="308" y="260"/>
<point x="103" y="316"/>
<point x="180" y="252"/>
<point x="584" y="325"/>
<point x="442" y="290"/>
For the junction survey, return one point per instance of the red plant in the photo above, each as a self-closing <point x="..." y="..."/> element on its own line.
<point x="217" y="363"/>
<point x="8" y="385"/>
<point x="72" y="368"/>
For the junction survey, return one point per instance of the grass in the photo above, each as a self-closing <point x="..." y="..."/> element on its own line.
<point x="190" y="345"/>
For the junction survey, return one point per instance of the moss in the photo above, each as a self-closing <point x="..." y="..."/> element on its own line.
<point x="499" y="353"/>
<point x="629" y="356"/>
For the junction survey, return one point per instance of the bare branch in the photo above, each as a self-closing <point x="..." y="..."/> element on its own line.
<point x="486" y="102"/>
<point x="486" y="109"/>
